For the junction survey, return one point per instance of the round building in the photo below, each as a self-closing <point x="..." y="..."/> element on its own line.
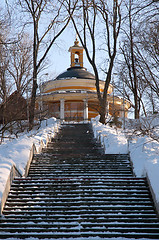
<point x="72" y="95"/>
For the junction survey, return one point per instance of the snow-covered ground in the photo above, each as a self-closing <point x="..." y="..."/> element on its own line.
<point x="144" y="151"/>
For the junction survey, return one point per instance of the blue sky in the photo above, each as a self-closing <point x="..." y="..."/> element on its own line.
<point x="59" y="56"/>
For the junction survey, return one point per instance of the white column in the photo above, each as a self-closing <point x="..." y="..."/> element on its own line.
<point x="62" y="109"/>
<point x="85" y="109"/>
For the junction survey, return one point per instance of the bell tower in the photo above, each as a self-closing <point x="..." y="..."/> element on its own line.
<point x="76" y="54"/>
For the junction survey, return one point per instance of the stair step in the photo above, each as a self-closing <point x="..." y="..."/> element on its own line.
<point x="81" y="230"/>
<point x="78" y="203"/>
<point x="82" y="164"/>
<point x="93" y="156"/>
<point x="82" y="209"/>
<point x="68" y="195"/>
<point x="95" y="216"/>
<point x="80" y="188"/>
<point x="84" y="227"/>
<point x="80" y="172"/>
<point x="79" y="175"/>
<point x="84" y="236"/>
<point x="77" y="148"/>
<point x="85" y="218"/>
<point x="79" y="192"/>
<point x="74" y="165"/>
<point x="73" y="224"/>
<point x="65" y="199"/>
<point x="124" y="180"/>
<point x="81" y="168"/>
<point x="89" y="156"/>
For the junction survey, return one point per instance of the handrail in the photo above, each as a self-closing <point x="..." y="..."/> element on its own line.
<point x="42" y="145"/>
<point x="32" y="152"/>
<point x="52" y="133"/>
<point x="48" y="138"/>
<point x="156" y="202"/>
<point x="13" y="173"/>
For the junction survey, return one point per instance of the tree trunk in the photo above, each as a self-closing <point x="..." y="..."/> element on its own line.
<point x="102" y="118"/>
<point x="34" y="87"/>
<point x="137" y="109"/>
<point x="32" y="102"/>
<point x="136" y="104"/>
<point x="102" y="111"/>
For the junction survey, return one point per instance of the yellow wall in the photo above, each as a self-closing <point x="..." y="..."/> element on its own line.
<point x="71" y="84"/>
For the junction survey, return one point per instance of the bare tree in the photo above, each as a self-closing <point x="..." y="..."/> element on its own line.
<point x="20" y="63"/>
<point x="5" y="85"/>
<point x="45" y="33"/>
<point x="149" y="42"/>
<point x="128" y="52"/>
<point x="139" y="68"/>
<point x="3" y="69"/>
<point x="94" y="19"/>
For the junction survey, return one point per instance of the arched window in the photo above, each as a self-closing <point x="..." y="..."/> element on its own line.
<point x="77" y="58"/>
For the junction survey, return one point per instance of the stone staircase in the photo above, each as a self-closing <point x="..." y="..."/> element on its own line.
<point x="75" y="191"/>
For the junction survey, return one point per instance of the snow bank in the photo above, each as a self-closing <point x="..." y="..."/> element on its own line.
<point x="17" y="150"/>
<point x="113" y="139"/>
<point x="144" y="152"/>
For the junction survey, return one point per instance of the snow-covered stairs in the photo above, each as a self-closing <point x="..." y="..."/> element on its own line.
<point x="73" y="190"/>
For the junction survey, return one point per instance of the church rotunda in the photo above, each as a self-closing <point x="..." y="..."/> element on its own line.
<point x="72" y="95"/>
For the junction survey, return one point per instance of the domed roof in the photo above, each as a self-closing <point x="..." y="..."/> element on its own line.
<point x="76" y="72"/>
